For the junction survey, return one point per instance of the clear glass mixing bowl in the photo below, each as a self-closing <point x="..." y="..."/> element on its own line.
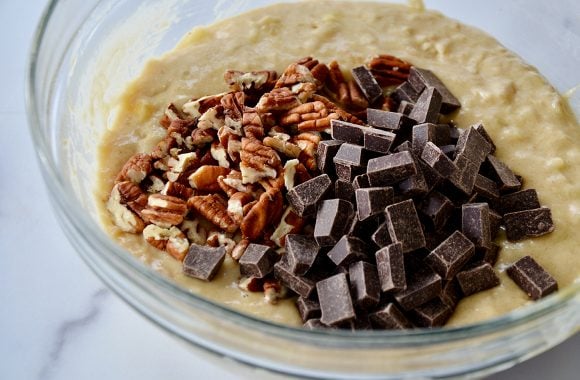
<point x="74" y="39"/>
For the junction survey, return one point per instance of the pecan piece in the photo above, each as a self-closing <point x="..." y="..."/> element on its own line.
<point x="217" y="239"/>
<point x="318" y="69"/>
<point x="333" y="108"/>
<point x="176" y="189"/>
<point x="136" y="169"/>
<point x="236" y="205"/>
<point x="233" y="104"/>
<point x="287" y="148"/>
<point x="254" y="81"/>
<point x="258" y="161"/>
<point x="274" y="291"/>
<point x="295" y="74"/>
<point x="290" y="223"/>
<point x="214" y="209"/>
<point x="195" y="232"/>
<point x="240" y="248"/>
<point x="197" y="107"/>
<point x="252" y="123"/>
<point x="132" y="195"/>
<point x="205" y="178"/>
<point x="180" y="165"/>
<point x="171" y="114"/>
<point x="170" y="240"/>
<point x="202" y="137"/>
<point x="250" y="284"/>
<point x="279" y="99"/>
<point x="212" y="118"/>
<point x="389" y="70"/>
<point x="164" y="210"/>
<point x="261" y="215"/>
<point x="122" y="217"/>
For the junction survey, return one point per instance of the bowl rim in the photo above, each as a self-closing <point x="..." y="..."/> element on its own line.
<point x="67" y="206"/>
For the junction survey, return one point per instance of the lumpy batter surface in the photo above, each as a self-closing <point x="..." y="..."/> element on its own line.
<point x="532" y="126"/>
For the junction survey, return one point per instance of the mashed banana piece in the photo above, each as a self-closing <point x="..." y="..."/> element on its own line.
<point x="532" y="126"/>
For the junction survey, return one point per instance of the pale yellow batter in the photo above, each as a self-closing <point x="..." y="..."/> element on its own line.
<point x="532" y="126"/>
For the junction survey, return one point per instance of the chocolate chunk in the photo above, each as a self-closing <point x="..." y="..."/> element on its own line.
<point x="314" y="324"/>
<point x="488" y="255"/>
<point x="390" y="169"/>
<point x="364" y="284"/>
<point x="393" y="121"/>
<point x="464" y="177"/>
<point x="438" y="208"/>
<point x="405" y="146"/>
<point x="529" y="223"/>
<point x="304" y="197"/>
<point x="432" y="178"/>
<point x="427" y="107"/>
<point x="477" y="279"/>
<point x="473" y="146"/>
<point x="344" y="190"/>
<point x="257" y="261"/>
<point x="495" y="221"/>
<point x="333" y="218"/>
<point x="434" y="313"/>
<point x="519" y="201"/>
<point x="351" y="154"/>
<point x="203" y="262"/>
<point x="532" y="278"/>
<point x="325" y="153"/>
<point x="454" y="133"/>
<point x="405" y="107"/>
<point x="415" y="185"/>
<point x="425" y="132"/>
<point x="486" y="187"/>
<point x="367" y="83"/>
<point x="372" y="201"/>
<point x="381" y="236"/>
<point x="451" y="255"/>
<point x="506" y="178"/>
<point x="347" y="132"/>
<point x="301" y="252"/>
<point x="335" y="300"/>
<point x="449" y="150"/>
<point x="361" y="322"/>
<point x="347" y="250"/>
<point x="364" y="229"/>
<point x="308" y="309"/>
<point x="390" y="318"/>
<point x="391" y="268"/>
<point x="301" y="285"/>
<point x="475" y="223"/>
<point x="347" y="172"/>
<point x="421" y="78"/>
<point x="479" y="128"/>
<point x="377" y="140"/>
<point x="404" y="225"/>
<point x="435" y="158"/>
<point x="405" y="92"/>
<point x="361" y="182"/>
<point x="450" y="293"/>
<point x="423" y="285"/>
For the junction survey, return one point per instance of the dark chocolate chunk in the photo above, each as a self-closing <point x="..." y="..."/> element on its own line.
<point x="427" y="107"/>
<point x="361" y="182"/>
<point x="422" y="133"/>
<point x="203" y="262"/>
<point x="405" y="107"/>
<point x="528" y="223"/>
<point x="405" y="92"/>
<point x="404" y="225"/>
<point x="347" y="132"/>
<point x="451" y="255"/>
<point x="301" y="253"/>
<point x="495" y="222"/>
<point x="258" y="260"/>
<point x="434" y="313"/>
<point x="365" y="229"/>
<point x="347" y="250"/>
<point x="308" y="309"/>
<point x="464" y="177"/>
<point x="304" y="197"/>
<point x="314" y="324"/>
<point x="415" y="185"/>
<point x="391" y="268"/>
<point x="475" y="223"/>
<point x="423" y="285"/>
<point x="519" y="201"/>
<point x="532" y="278"/>
<point x="333" y="218"/>
<point x="390" y="318"/>
<point x="421" y="78"/>
<point x="364" y="284"/>
<point x="479" y="128"/>
<point x="381" y="236"/>
<point x="390" y="169"/>
<point x="393" y="121"/>
<point x="377" y="140"/>
<point x="488" y="255"/>
<point x="435" y="158"/>
<point x="449" y="150"/>
<point x="335" y="300"/>
<point x="405" y="146"/>
<point x="432" y="178"/>
<point x="325" y="153"/>
<point x="473" y="146"/>
<point x="505" y="176"/>
<point x="372" y="201"/>
<point x="344" y="190"/>
<point x="347" y="172"/>
<point x="486" y="187"/>
<point x="367" y="83"/>
<point x="301" y="285"/>
<point x="450" y="293"/>
<point x="438" y="208"/>
<point x="351" y="154"/>
<point x="477" y="279"/>
<point x="454" y="133"/>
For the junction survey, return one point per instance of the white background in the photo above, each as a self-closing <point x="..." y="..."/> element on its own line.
<point x="57" y="321"/>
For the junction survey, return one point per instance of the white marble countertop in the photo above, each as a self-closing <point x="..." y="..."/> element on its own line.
<point x="57" y="320"/>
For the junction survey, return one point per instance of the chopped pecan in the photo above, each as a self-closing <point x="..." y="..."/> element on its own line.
<point x="318" y="69"/>
<point x="333" y="108"/>
<point x="240" y="248"/>
<point x="202" y="137"/>
<point x="287" y="148"/>
<point x="308" y="143"/>
<point x="214" y="209"/>
<point x="212" y="118"/>
<point x="290" y="223"/>
<point x="295" y="173"/>
<point x="279" y="99"/>
<point x="258" y="161"/>
<point x="205" y="177"/>
<point x="171" y="240"/>
<point x="233" y="104"/>
<point x="132" y="195"/>
<point x="251" y="284"/>
<point x="389" y="70"/>
<point x="356" y="97"/>
<point x="232" y="183"/>
<point x="252" y="123"/>
<point x="136" y="169"/>
<point x="122" y="217"/>
<point x="254" y="81"/>
<point x="197" y="107"/>
<point x="181" y="165"/>
<point x="274" y="291"/>
<point x="236" y="204"/>
<point x="164" y="210"/>
<point x="176" y="189"/>
<point x="261" y="215"/>
<point x="207" y="157"/>
<point x="154" y="184"/>
<point x="195" y="232"/>
<point x="311" y="116"/>
<point x="216" y="239"/>
<point x="163" y="147"/>
<point x="220" y="154"/>
<point x="172" y="113"/>
<point x="295" y="74"/>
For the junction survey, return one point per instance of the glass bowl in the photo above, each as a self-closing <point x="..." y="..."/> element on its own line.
<point x="74" y="49"/>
